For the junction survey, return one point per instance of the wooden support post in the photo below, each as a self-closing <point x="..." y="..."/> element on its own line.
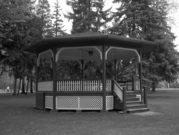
<point x="51" y="68"/>
<point x="140" y="73"/>
<point x="115" y="70"/>
<point x="37" y="74"/>
<point x="82" y="62"/>
<point x="54" y="79"/>
<point x="145" y="95"/>
<point x="104" y="78"/>
<point x="124" y="99"/>
<point x="133" y="83"/>
<point x="112" y="86"/>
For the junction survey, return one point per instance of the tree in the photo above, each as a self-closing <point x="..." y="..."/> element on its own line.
<point x="45" y="22"/>
<point x="58" y="22"/>
<point x="15" y="17"/>
<point x="126" y="69"/>
<point x="45" y="69"/>
<point x="147" y="20"/>
<point x="88" y="15"/>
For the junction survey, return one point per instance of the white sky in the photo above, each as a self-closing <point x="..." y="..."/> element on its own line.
<point x="67" y="24"/>
<point x="175" y="28"/>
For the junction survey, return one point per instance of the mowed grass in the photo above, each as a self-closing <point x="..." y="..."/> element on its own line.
<point x="18" y="117"/>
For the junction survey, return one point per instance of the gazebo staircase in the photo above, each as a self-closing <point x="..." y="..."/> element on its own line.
<point x="128" y="100"/>
<point x="133" y="103"/>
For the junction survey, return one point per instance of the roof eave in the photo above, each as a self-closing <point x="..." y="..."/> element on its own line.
<point x="90" y="39"/>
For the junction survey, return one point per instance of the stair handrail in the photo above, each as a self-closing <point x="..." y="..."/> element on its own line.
<point x="121" y="93"/>
<point x="118" y="90"/>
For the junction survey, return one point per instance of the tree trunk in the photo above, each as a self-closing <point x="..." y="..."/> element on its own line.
<point x="15" y="84"/>
<point x="27" y="86"/>
<point x="19" y="85"/>
<point x="31" y="86"/>
<point x="23" y="86"/>
<point x="153" y="87"/>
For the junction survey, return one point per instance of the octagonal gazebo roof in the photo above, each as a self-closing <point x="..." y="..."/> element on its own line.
<point x="90" y="39"/>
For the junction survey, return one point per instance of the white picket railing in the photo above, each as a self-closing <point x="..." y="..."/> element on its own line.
<point x="75" y="85"/>
<point x="82" y="85"/>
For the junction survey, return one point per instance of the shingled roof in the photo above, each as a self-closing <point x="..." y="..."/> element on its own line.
<point x="90" y="39"/>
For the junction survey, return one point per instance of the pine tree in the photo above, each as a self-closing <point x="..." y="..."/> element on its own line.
<point x="45" y="22"/>
<point x="88" y="15"/>
<point x="58" y="22"/>
<point x="147" y="19"/>
<point x="14" y="18"/>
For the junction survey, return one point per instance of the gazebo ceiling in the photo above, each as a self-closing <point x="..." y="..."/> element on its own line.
<point x="79" y="54"/>
<point x="90" y="39"/>
<point x="120" y="54"/>
<point x="87" y="53"/>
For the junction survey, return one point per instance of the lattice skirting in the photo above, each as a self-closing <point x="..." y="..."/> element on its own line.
<point x="109" y="102"/>
<point x="49" y="102"/>
<point x="79" y="102"/>
<point x="83" y="103"/>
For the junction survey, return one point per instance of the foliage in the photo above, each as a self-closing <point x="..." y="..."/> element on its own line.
<point x="58" y="22"/>
<point x="147" y="20"/>
<point x="88" y="15"/>
<point x="93" y="70"/>
<point x="6" y="80"/>
<point x="173" y="85"/>
<point x="45" y="69"/>
<point x="73" y="70"/>
<point x="22" y="23"/>
<point x="164" y="84"/>
<point x="15" y="19"/>
<point x="45" y="23"/>
<point x="126" y="69"/>
<point x="14" y="30"/>
<point x="68" y="70"/>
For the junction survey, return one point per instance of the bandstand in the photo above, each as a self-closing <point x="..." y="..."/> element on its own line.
<point x="88" y="94"/>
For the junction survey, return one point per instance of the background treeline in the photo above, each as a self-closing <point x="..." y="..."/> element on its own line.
<point x="23" y="22"/>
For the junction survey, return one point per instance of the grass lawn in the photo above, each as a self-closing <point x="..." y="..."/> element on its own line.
<point x="18" y="117"/>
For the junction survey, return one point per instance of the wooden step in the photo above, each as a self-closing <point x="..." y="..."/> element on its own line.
<point x="134" y="106"/>
<point x="129" y="92"/>
<point x="133" y="102"/>
<point x="130" y="95"/>
<point x="132" y="99"/>
<point x="137" y="110"/>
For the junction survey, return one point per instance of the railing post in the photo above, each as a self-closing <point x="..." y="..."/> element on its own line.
<point x="133" y="83"/>
<point x="145" y="95"/>
<point x="112" y="86"/>
<point x="124" y="99"/>
<point x="141" y="90"/>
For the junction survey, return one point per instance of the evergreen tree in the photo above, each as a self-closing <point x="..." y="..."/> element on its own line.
<point x="88" y="15"/>
<point x="45" y="22"/>
<point x="147" y="19"/>
<point x="58" y="22"/>
<point x="14" y="18"/>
